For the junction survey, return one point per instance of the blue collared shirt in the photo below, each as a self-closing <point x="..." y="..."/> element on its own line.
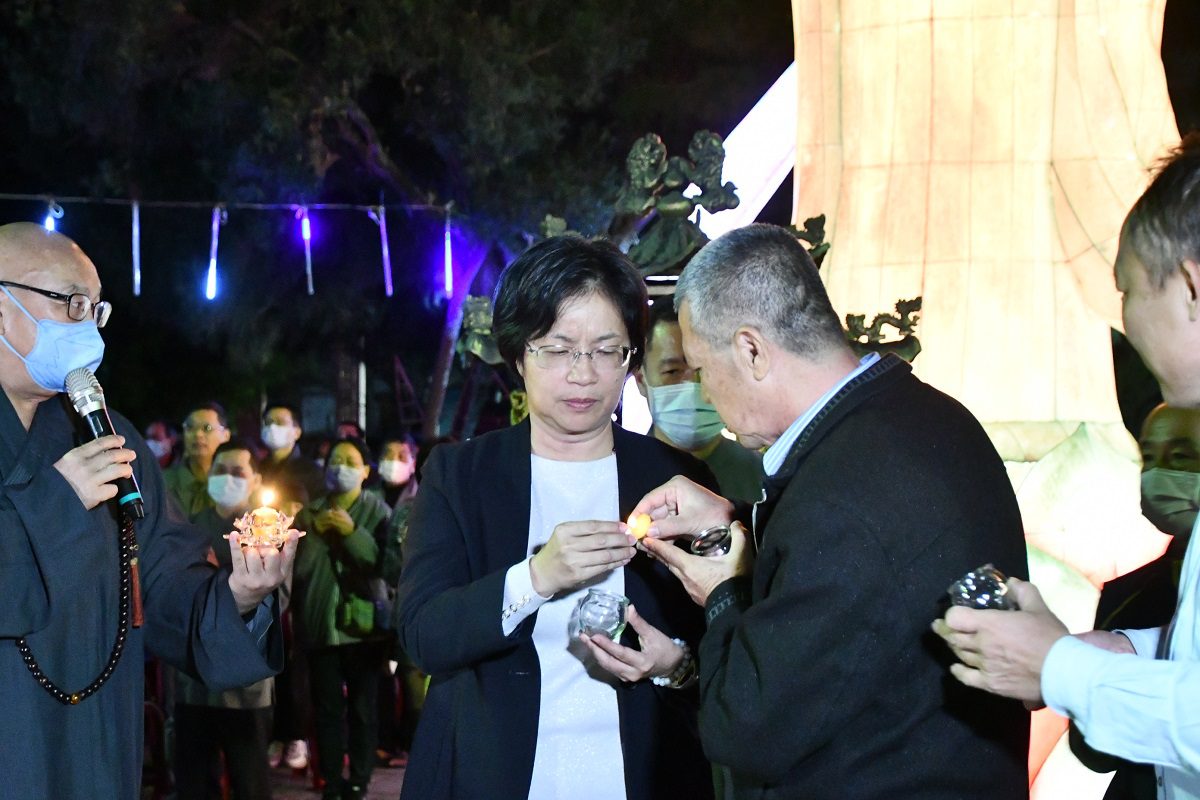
<point x="776" y="453"/>
<point x="1140" y="707"/>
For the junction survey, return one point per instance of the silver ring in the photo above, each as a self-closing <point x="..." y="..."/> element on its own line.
<point x="714" y="541"/>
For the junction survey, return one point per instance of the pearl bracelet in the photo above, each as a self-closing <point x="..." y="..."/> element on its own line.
<point x="683" y="674"/>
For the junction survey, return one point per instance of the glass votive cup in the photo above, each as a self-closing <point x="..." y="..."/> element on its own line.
<point x="599" y="613"/>
<point x="984" y="587"/>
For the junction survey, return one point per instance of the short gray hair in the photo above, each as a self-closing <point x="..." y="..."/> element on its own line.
<point x="760" y="276"/>
<point x="1164" y="224"/>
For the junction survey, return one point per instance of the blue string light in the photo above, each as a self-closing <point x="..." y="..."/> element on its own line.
<point x="210" y="283"/>
<point x="54" y="212"/>
<point x="448" y="265"/>
<point x="306" y="235"/>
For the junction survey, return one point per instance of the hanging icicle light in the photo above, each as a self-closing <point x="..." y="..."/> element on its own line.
<point x="379" y="217"/>
<point x="210" y="284"/>
<point x="54" y="212"/>
<point x="448" y="262"/>
<point x="306" y="235"/>
<point x="135" y="245"/>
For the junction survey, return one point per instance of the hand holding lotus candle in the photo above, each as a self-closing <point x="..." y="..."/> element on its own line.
<point x="263" y="526"/>
<point x="262" y="549"/>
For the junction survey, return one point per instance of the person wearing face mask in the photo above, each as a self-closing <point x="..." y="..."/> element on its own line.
<point x="397" y="487"/>
<point x="297" y="479"/>
<point x="161" y="438"/>
<point x="1170" y="445"/>
<point x="1133" y="693"/>
<point x="72" y="721"/>
<point x="235" y="722"/>
<point x="397" y="471"/>
<point x="338" y="581"/>
<point x="683" y="416"/>
<point x="1146" y="597"/>
<point x="205" y="428"/>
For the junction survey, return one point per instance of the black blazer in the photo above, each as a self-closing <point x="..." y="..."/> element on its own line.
<point x="478" y="729"/>
<point x="891" y="493"/>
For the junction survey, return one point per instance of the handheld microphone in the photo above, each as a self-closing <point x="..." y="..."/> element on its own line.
<point x="88" y="399"/>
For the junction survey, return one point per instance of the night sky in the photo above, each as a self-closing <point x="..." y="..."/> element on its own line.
<point x="263" y="336"/>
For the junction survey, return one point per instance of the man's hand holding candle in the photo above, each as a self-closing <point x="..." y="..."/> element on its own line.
<point x="259" y="570"/>
<point x="682" y="508"/>
<point x="262" y="550"/>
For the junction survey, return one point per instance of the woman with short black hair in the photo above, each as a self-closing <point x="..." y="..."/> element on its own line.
<point x="512" y="528"/>
<point x="338" y="579"/>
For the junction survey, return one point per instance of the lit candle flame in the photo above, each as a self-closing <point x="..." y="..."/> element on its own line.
<point x="267" y="496"/>
<point x="639" y="525"/>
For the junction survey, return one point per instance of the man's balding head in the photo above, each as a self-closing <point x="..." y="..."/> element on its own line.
<point x="28" y="251"/>
<point x="1171" y="439"/>
<point x="39" y="261"/>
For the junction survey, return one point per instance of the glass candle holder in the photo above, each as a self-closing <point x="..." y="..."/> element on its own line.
<point x="985" y="587"/>
<point x="712" y="542"/>
<point x="263" y="527"/>
<point x="599" y="613"/>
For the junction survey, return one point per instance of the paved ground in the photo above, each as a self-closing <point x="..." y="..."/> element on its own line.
<point x="287" y="785"/>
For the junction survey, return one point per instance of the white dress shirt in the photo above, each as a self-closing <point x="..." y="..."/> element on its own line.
<point x="578" y="753"/>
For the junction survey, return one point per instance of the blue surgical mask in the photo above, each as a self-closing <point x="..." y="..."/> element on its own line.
<point x="228" y="491"/>
<point x="58" y="348"/>
<point x="278" y="437"/>
<point x="680" y="412"/>
<point x="160" y="448"/>
<point x="345" y="478"/>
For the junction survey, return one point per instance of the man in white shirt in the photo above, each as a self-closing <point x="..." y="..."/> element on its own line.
<point x="1135" y="693"/>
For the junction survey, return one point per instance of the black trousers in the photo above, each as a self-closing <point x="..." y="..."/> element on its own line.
<point x="293" y="699"/>
<point x="345" y="690"/>
<point x="202" y="733"/>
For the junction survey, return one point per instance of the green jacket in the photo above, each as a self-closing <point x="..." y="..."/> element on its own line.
<point x="327" y="565"/>
<point x="189" y="491"/>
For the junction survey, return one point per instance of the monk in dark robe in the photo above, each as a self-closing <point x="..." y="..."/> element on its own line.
<point x="60" y="568"/>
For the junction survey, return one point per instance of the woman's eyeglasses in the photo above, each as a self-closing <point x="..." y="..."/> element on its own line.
<point x="556" y="356"/>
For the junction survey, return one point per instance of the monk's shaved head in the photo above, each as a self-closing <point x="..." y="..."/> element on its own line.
<point x="29" y="252"/>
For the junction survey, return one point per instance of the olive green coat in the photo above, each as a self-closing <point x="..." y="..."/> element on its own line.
<point x="329" y="564"/>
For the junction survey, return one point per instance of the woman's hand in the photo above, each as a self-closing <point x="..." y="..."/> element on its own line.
<point x="578" y="552"/>
<point x="658" y="656"/>
<point x="334" y="519"/>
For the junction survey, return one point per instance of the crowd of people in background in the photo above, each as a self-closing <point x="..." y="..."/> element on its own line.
<point x="804" y="646"/>
<point x="348" y="693"/>
<point x="353" y="503"/>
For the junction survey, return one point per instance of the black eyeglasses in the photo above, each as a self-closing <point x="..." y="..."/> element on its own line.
<point x="201" y="427"/>
<point x="79" y="306"/>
